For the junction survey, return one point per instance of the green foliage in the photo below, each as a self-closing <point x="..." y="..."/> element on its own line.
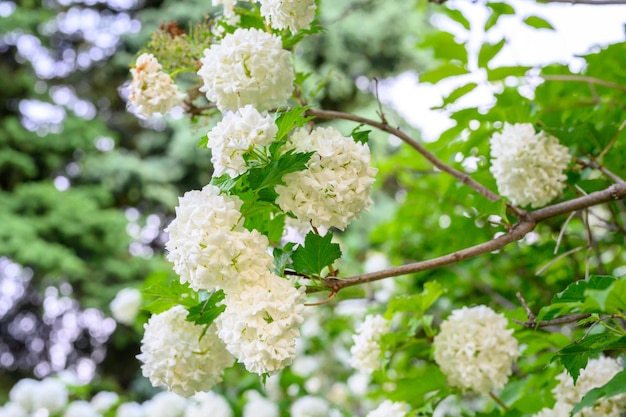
<point x="206" y="311"/>
<point x="164" y="292"/>
<point x="317" y="253"/>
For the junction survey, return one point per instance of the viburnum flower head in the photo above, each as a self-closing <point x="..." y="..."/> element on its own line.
<point x="366" y="350"/>
<point x="236" y="135"/>
<point x="475" y="350"/>
<point x="179" y="354"/>
<point x="335" y="187"/>
<point x="152" y="91"/>
<point x="292" y="14"/>
<point x="125" y="306"/>
<point x="260" y="324"/>
<point x="209" y="246"/>
<point x="50" y="394"/>
<point x="389" y="409"/>
<point x="310" y="406"/>
<point x="528" y="166"/>
<point x="249" y="66"/>
<point x="597" y="373"/>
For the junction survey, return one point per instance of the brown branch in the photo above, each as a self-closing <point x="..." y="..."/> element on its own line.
<point x="584" y="79"/>
<point x="526" y="224"/>
<point x="570" y="318"/>
<point x="385" y="127"/>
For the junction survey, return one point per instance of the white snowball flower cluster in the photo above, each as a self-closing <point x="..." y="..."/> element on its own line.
<point x="175" y="353"/>
<point x="335" y="187"/>
<point x="31" y="395"/>
<point x="292" y="14"/>
<point x="125" y="306"/>
<point x="152" y="92"/>
<point x="104" y="401"/>
<point x="209" y="246"/>
<point x="389" y="409"/>
<point x="475" y="350"/>
<point x="236" y="135"/>
<point x="165" y="404"/>
<point x="310" y="406"/>
<point x="597" y="373"/>
<point x="528" y="166"/>
<point x="260" y="324"/>
<point x="249" y="66"/>
<point x="366" y="350"/>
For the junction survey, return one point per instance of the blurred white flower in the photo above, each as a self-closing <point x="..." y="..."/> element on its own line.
<point x="205" y="404"/>
<point x="260" y="324"/>
<point x="104" y="401"/>
<point x="475" y="350"/>
<point x="165" y="404"/>
<point x="310" y="406"/>
<point x="335" y="187"/>
<point x="292" y="14"/>
<point x="31" y="395"/>
<point x="81" y="408"/>
<point x="259" y="406"/>
<point x="229" y="6"/>
<point x="11" y="409"/>
<point x="389" y="409"/>
<point x="366" y="350"/>
<point x="236" y="135"/>
<point x="249" y="66"/>
<point x="597" y="373"/>
<point x="179" y="354"/>
<point x="151" y="91"/>
<point x="125" y="306"/>
<point x="130" y="409"/>
<point x="528" y="166"/>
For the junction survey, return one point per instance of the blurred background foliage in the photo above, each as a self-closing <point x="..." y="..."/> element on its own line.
<point x="86" y="188"/>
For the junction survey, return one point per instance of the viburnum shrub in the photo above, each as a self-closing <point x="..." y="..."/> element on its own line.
<point x="243" y="278"/>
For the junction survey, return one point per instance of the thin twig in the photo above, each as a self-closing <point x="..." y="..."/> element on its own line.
<point x="562" y="232"/>
<point x="570" y="318"/>
<point x="584" y="79"/>
<point x="612" y="141"/>
<point x="332" y="295"/>
<point x="529" y="313"/>
<point x="558" y="258"/>
<point x="499" y="401"/>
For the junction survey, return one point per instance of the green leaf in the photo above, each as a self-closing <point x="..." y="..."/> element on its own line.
<point x="204" y="142"/>
<point x="611" y="299"/>
<point x="360" y="136"/>
<point x="538" y="22"/>
<point x="457" y="94"/>
<point x="225" y="182"/>
<point x="317" y="253"/>
<point x="488" y="51"/>
<point x="416" y="303"/>
<point x="444" y="47"/>
<point x="281" y="258"/>
<point x="272" y="174"/>
<point x="458" y="17"/>
<point x="166" y="293"/>
<point x="205" y="312"/>
<point x="616" y="386"/>
<point x="444" y="71"/>
<point x="501" y="73"/>
<point x="287" y="121"/>
<point x="497" y="10"/>
<point x="575" y="356"/>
